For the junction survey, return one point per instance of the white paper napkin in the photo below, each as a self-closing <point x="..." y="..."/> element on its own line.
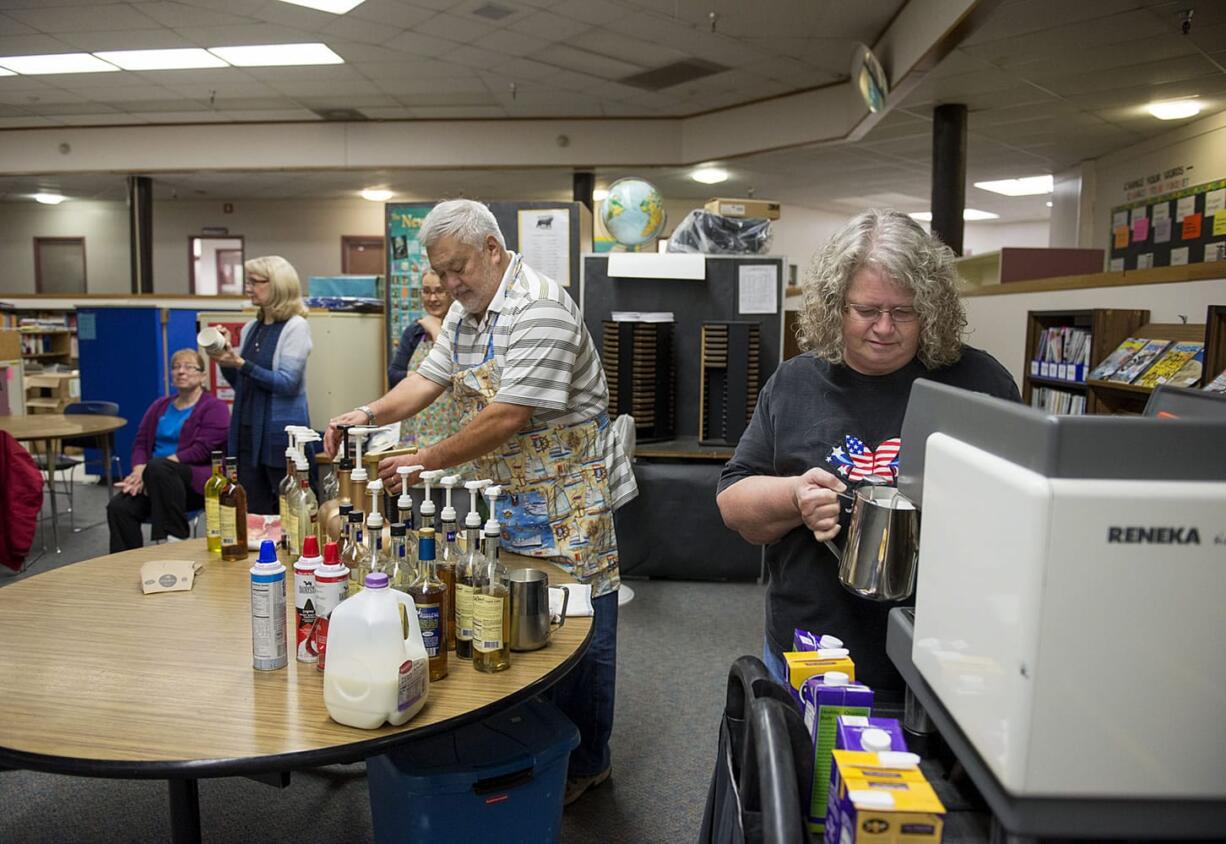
<point x="579" y="604"/>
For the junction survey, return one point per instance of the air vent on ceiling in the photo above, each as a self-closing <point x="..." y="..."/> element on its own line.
<point x="493" y="12"/>
<point x="342" y="114"/>
<point x="686" y="70"/>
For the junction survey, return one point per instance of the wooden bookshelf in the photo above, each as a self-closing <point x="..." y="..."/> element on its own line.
<point x="1108" y="328"/>
<point x="1215" y="343"/>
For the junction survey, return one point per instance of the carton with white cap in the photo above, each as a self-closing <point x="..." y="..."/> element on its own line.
<point x="824" y="699"/>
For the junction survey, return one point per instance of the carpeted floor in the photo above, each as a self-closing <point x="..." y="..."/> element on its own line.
<point x="676" y="641"/>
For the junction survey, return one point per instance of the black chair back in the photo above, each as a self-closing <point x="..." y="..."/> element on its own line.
<point x="91" y="408"/>
<point x="777" y="770"/>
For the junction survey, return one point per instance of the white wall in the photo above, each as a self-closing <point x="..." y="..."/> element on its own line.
<point x="990" y="237"/>
<point x="998" y="323"/>
<point x="104" y="225"/>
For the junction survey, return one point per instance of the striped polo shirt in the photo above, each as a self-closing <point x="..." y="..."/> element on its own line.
<point x="545" y="354"/>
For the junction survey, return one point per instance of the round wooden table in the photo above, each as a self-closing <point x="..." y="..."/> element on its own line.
<point x="49" y="427"/>
<point x="102" y="680"/>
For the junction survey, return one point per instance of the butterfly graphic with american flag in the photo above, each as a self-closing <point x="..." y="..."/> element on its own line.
<point x="854" y="460"/>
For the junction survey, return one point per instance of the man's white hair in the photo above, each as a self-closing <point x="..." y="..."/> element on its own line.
<point x="467" y="221"/>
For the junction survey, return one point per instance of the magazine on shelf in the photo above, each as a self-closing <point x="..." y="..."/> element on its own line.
<point x="1172" y="360"/>
<point x="1190" y="373"/>
<point x="1117" y="358"/>
<point x="1140" y="362"/>
<point x="1217" y="385"/>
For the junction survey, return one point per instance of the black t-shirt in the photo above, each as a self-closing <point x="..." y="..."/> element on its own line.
<point x="814" y="413"/>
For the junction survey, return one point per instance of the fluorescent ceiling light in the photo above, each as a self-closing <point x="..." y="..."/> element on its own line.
<point x="1027" y="186"/>
<point x="48" y="198"/>
<point x="191" y="57"/>
<point x="1169" y="110"/>
<point x="600" y="194"/>
<point x="1049" y="203"/>
<point x="56" y="63"/>
<point x="4" y="72"/>
<point x="969" y="214"/>
<point x="377" y="194"/>
<point x="277" y="55"/>
<point x="336" y="7"/>
<point x="709" y="175"/>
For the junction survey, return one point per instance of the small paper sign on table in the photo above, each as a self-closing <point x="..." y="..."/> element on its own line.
<point x="168" y="575"/>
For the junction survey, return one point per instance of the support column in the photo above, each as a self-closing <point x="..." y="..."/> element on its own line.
<point x="140" y="237"/>
<point x="583" y="185"/>
<point x="949" y="173"/>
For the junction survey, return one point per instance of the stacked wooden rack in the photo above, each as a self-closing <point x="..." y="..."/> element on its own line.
<point x="730" y="373"/>
<point x="638" y="363"/>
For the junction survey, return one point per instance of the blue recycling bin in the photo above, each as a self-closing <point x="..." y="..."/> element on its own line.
<point x="501" y="780"/>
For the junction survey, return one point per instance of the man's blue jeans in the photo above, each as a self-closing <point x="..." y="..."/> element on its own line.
<point x="585" y="695"/>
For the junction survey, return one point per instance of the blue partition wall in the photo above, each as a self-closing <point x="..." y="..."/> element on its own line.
<point x="124" y="355"/>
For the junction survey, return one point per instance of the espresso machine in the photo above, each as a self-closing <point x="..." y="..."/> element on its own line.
<point x="1069" y="639"/>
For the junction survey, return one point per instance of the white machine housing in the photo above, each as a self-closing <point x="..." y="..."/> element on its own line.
<point x="1075" y="628"/>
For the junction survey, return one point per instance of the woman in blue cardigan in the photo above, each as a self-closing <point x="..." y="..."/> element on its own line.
<point x="269" y="379"/>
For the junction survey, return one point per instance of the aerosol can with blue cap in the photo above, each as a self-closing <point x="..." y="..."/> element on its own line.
<point x="268" y="645"/>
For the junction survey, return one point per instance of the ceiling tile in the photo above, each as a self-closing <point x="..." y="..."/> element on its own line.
<point x="126" y="39"/>
<point x="465" y="30"/>
<point x="511" y="43"/>
<point x="549" y="26"/>
<point x="83" y="18"/>
<point x="596" y="12"/>
<point x="416" y="44"/>
<point x="187" y="14"/>
<point x="388" y="13"/>
<point x="583" y="61"/>
<point x="245" y="35"/>
<point x="31" y="45"/>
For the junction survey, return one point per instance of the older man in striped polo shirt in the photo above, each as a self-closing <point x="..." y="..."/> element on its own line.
<point x="519" y="361"/>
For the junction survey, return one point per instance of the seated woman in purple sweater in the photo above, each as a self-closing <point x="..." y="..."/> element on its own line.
<point x="170" y="458"/>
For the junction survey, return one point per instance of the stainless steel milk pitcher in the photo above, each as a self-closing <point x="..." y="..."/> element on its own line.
<point x="530" y="623"/>
<point x="879" y="559"/>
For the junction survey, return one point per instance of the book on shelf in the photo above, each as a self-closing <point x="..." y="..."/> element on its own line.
<point x="1171" y="362"/>
<point x="1112" y="362"/>
<point x="1055" y="400"/>
<point x="1063" y="353"/>
<point x="1139" y="362"/>
<point x="1217" y="385"/>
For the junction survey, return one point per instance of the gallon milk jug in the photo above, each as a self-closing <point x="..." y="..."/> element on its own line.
<point x="377" y="668"/>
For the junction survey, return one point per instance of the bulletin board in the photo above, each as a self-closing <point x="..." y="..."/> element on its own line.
<point x="1187" y="226"/>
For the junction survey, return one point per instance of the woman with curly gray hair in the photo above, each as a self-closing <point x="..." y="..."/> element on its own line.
<point x="880" y="310"/>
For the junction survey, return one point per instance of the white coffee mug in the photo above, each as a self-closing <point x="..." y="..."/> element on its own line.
<point x="211" y="340"/>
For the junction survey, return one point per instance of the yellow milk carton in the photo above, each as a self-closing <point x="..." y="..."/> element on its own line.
<point x="881" y="798"/>
<point x="805" y="664"/>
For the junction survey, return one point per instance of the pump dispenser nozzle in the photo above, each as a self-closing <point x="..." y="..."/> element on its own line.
<point x="449" y="482"/>
<point x="405" y="501"/>
<point x="374" y="519"/>
<point x="492" y="494"/>
<point x="473" y="519"/>
<point x="359" y="434"/>
<point x="428" y="477"/>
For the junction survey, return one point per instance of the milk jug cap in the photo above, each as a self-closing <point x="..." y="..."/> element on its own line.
<point x="332" y="555"/>
<point x="268" y="553"/>
<point x="835" y="678"/>
<point x="376" y="580"/>
<point x="875" y="740"/>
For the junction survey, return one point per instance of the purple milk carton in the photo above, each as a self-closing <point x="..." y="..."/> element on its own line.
<point x="856" y="732"/>
<point x="803" y="640"/>
<point x="825" y="697"/>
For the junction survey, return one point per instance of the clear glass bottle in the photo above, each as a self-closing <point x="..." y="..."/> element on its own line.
<point x="212" y="495"/>
<point x="448" y="560"/>
<point x="429" y="593"/>
<point x="285" y="489"/>
<point x="471" y="562"/>
<point x="491" y="608"/>
<point x="232" y="507"/>
<point x="400" y="569"/>
<point x="376" y="553"/>
<point x="306" y="509"/>
<point x="355" y="553"/>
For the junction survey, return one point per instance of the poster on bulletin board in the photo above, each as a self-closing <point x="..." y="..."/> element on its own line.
<point x="406" y="260"/>
<point x="1187" y="226"/>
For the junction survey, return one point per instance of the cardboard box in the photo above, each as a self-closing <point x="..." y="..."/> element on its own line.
<point x="10" y="345"/>
<point x="823" y="703"/>
<point x="751" y="209"/>
<point x="805" y="664"/>
<point x="883" y="798"/>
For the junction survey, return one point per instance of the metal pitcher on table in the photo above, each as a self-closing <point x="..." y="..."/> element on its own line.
<point x="530" y="622"/>
<point x="879" y="558"/>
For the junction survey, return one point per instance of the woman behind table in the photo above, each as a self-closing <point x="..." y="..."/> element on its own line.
<point x="880" y="310"/>
<point x="441" y="419"/>
<point x="268" y="374"/>
<point x="170" y="459"/>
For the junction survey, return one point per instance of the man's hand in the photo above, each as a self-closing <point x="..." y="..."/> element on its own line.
<point x="817" y="503"/>
<point x="332" y="437"/>
<point x="388" y="466"/>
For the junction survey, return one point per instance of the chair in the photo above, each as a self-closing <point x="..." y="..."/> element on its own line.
<point x="64" y="463"/>
<point x="193" y="521"/>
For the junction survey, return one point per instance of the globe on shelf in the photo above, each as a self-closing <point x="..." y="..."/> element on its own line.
<point x="633" y="213"/>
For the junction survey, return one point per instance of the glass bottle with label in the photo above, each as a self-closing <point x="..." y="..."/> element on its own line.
<point x="306" y="508"/>
<point x="355" y="554"/>
<point x="471" y="561"/>
<point x="212" y="495"/>
<point x="400" y="569"/>
<point x="491" y="601"/>
<point x="449" y="554"/>
<point x="232" y="507"/>
<point x="374" y="528"/>
<point x="285" y="490"/>
<point x="429" y="593"/>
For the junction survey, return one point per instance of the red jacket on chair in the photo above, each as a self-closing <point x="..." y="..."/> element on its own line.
<point x="21" y="497"/>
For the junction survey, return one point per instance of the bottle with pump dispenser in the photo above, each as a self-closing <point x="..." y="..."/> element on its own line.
<point x="400" y="568"/>
<point x="429" y="594"/>
<point x="376" y="552"/>
<point x="492" y="601"/>
<point x="449" y="552"/>
<point x="404" y="507"/>
<point x="335" y="491"/>
<point x="471" y="561"/>
<point x="354" y="552"/>
<point x="428" y="509"/>
<point x="212" y="512"/>
<point x="304" y="598"/>
<point x="285" y="489"/>
<point x="303" y="503"/>
<point x="331" y="587"/>
<point x="377" y="668"/>
<point x="358" y="476"/>
<point x="268" y="646"/>
<point x="232" y="510"/>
